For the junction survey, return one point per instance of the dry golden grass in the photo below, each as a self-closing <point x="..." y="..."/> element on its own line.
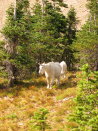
<point x="18" y="104"/>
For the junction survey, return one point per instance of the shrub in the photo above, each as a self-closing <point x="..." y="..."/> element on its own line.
<point x="39" y="120"/>
<point x="86" y="110"/>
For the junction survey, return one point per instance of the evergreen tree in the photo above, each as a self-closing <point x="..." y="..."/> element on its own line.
<point x="39" y="120"/>
<point x="86" y="111"/>
<point x="93" y="18"/>
<point x="59" y="3"/>
<point x="70" y="37"/>
<point x="86" y="44"/>
<point x="17" y="40"/>
<point x="48" y="29"/>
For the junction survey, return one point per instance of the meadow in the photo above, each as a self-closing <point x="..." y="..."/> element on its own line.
<point x="18" y="104"/>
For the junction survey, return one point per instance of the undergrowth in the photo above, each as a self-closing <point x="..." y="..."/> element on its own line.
<point x="19" y="104"/>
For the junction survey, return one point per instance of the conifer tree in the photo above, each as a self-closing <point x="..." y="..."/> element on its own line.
<point x="39" y="120"/>
<point x="48" y="29"/>
<point x="70" y="37"/>
<point x="86" y="44"/>
<point x="17" y="40"/>
<point x="86" y="110"/>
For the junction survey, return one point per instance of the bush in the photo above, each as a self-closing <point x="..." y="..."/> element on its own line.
<point x="39" y="120"/>
<point x="86" y="110"/>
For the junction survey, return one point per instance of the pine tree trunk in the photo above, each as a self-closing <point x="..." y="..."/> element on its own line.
<point x="95" y="23"/>
<point x="11" y="70"/>
<point x="90" y="19"/>
<point x="15" y="11"/>
<point x="43" y="4"/>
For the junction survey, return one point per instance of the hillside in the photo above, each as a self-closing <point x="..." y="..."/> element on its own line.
<point x="18" y="104"/>
<point x="79" y="5"/>
<point x="35" y="45"/>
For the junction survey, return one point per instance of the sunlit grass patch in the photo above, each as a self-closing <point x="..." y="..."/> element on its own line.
<point x="40" y="82"/>
<point x="18" y="104"/>
<point x="4" y="105"/>
<point x="69" y="92"/>
<point x="71" y="124"/>
<point x="8" y="126"/>
<point x="2" y="80"/>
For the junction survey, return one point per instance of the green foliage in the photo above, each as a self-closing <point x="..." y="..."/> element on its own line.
<point x="3" y="55"/>
<point x="47" y="29"/>
<point x="70" y="37"/>
<point x="60" y="3"/>
<point x="30" y="38"/>
<point x="86" y="47"/>
<point x="93" y="6"/>
<point x="53" y="32"/>
<point x="40" y="120"/>
<point x="85" y="113"/>
<point x="17" y="33"/>
<point x="11" y="116"/>
<point x="86" y="44"/>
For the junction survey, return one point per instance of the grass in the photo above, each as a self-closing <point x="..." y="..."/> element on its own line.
<point x="18" y="104"/>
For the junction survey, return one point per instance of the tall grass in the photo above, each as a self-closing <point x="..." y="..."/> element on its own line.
<point x="18" y="104"/>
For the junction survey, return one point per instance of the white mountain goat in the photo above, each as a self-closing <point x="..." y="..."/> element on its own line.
<point x="52" y="71"/>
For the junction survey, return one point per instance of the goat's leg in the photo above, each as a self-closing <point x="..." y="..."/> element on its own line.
<point x="48" y="83"/>
<point x="52" y="82"/>
<point x="58" y="81"/>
